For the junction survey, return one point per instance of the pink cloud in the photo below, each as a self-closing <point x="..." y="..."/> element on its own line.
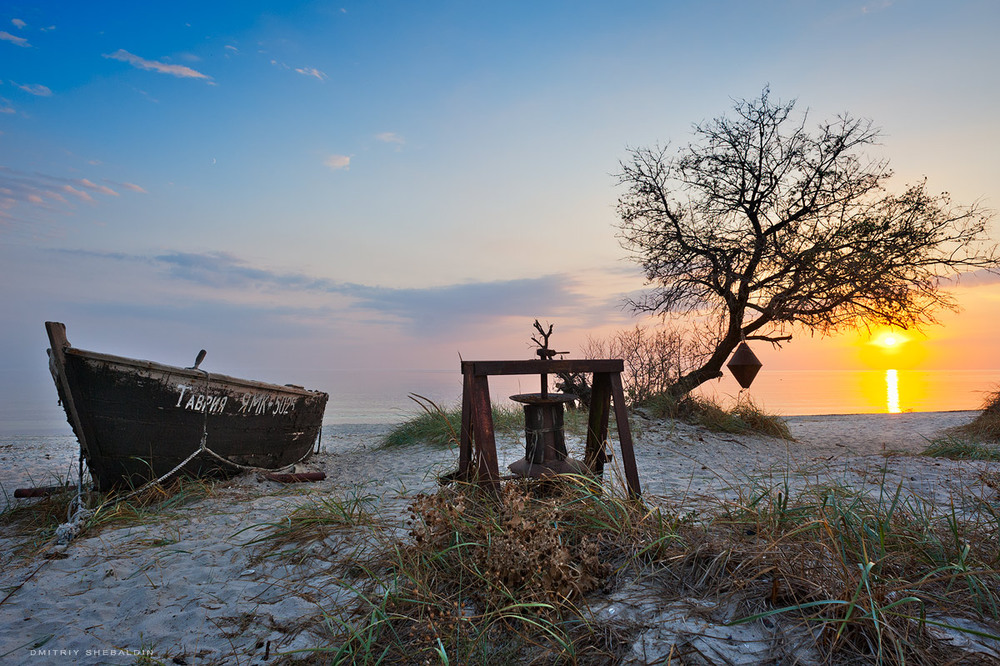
<point x="13" y="39"/>
<point x="97" y="188"/>
<point x="155" y="66"/>
<point x="311" y="71"/>
<point x="69" y="189"/>
<point x="338" y="162"/>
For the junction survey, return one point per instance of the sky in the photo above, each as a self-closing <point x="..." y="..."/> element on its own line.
<point x="323" y="193"/>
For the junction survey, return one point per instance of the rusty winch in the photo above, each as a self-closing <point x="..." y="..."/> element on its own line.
<point x="545" y="441"/>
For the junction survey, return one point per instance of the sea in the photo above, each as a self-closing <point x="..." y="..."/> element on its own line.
<point x="37" y="446"/>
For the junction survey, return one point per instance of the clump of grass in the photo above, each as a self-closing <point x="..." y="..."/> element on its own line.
<point x="870" y="571"/>
<point x="151" y="504"/>
<point x="497" y="580"/>
<point x="957" y="448"/>
<point x="442" y="427"/>
<point x="986" y="426"/>
<point x="746" y="417"/>
<point x="36" y="521"/>
<point x="313" y="521"/>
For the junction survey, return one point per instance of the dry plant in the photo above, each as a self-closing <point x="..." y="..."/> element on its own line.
<point x="499" y="580"/>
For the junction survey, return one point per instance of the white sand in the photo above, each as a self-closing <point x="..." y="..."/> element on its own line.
<point x="189" y="588"/>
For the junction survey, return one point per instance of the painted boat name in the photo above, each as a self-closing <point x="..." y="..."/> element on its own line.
<point x="252" y="404"/>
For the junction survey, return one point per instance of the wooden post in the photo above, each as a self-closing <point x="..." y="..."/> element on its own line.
<point x="597" y="423"/>
<point x="625" y="437"/>
<point x="465" y="436"/>
<point x="482" y="424"/>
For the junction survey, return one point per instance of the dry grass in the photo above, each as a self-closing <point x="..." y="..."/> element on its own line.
<point x="314" y="521"/>
<point x="746" y="417"/>
<point x="873" y="576"/>
<point x="35" y="522"/>
<point x="986" y="426"/>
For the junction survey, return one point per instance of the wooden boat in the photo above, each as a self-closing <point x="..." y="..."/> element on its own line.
<point x="137" y="420"/>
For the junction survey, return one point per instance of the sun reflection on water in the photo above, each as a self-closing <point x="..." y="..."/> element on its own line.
<point x="892" y="392"/>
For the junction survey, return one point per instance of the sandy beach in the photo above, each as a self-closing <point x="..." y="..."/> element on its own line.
<point x="192" y="588"/>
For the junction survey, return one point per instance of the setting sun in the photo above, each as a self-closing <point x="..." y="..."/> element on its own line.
<point x="889" y="339"/>
<point x="884" y="348"/>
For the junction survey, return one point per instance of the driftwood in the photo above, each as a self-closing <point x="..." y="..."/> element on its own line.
<point x="295" y="478"/>
<point x="43" y="491"/>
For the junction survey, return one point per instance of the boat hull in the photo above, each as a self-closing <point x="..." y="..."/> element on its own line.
<point x="138" y="420"/>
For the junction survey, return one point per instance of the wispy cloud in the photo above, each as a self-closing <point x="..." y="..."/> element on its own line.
<point x="877" y="6"/>
<point x="28" y="196"/>
<point x="18" y="23"/>
<point x="98" y="188"/>
<point x="976" y="278"/>
<point x="179" y="71"/>
<point x="80" y="194"/>
<point x="424" y="311"/>
<point x="338" y="162"/>
<point x="313" y="72"/>
<point x="13" y="39"/>
<point x="5" y="106"/>
<point x="390" y="137"/>
<point x="36" y="89"/>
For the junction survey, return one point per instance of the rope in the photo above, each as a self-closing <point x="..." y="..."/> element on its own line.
<point x="76" y="511"/>
<point x="203" y="448"/>
<point x="72" y="525"/>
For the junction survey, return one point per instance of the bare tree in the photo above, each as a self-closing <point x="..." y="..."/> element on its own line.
<point x="760" y="224"/>
<point x="654" y="358"/>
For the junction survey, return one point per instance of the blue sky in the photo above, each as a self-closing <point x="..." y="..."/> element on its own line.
<point x="302" y="187"/>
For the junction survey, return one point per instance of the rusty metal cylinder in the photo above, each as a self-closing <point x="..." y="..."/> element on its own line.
<point x="544" y="438"/>
<point x="543" y="432"/>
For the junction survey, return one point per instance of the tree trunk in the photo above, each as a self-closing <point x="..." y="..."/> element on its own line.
<point x="712" y="368"/>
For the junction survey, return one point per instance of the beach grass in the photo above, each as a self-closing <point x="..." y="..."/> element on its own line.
<point x="313" y="520"/>
<point x="745" y="417"/>
<point x="441" y="426"/>
<point x="36" y="522"/>
<point x="860" y="576"/>
<point x="959" y="448"/>
<point x="986" y="426"/>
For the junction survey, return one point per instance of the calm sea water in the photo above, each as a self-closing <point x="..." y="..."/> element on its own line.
<point x="792" y="393"/>
<point x="788" y="393"/>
